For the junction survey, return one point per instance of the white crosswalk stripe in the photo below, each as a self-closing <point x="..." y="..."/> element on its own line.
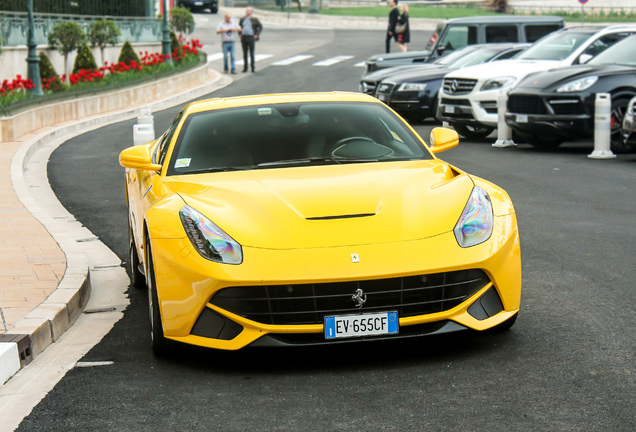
<point x="292" y="60"/>
<point x="333" y="60"/>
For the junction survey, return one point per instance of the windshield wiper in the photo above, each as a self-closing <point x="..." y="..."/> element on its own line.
<point x="300" y="161"/>
<point x="216" y="169"/>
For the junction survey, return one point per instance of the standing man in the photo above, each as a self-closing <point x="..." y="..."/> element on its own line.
<point x="393" y="18"/>
<point x="227" y="29"/>
<point x="251" y="28"/>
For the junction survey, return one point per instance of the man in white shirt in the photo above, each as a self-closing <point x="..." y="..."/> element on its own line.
<point x="227" y="29"/>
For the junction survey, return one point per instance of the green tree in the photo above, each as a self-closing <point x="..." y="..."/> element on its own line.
<point x="66" y="37"/>
<point x="181" y="20"/>
<point x="84" y="59"/>
<point x="128" y="54"/>
<point x="49" y="75"/>
<point x="102" y="33"/>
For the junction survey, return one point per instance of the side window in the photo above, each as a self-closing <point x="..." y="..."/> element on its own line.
<point x="604" y="42"/>
<point x="162" y="148"/>
<point x="508" y="54"/>
<point x="536" y="32"/>
<point x="458" y="37"/>
<point x="501" y="33"/>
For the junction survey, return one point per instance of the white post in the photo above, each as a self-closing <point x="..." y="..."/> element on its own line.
<point x="504" y="133"/>
<point x="144" y="130"/>
<point x="602" y="127"/>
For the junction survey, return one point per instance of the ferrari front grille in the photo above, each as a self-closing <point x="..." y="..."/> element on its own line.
<point x="310" y="303"/>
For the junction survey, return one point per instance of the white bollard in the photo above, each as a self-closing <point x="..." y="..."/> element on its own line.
<point x="143" y="133"/>
<point x="504" y="133"/>
<point x="602" y="127"/>
<point x="144" y="130"/>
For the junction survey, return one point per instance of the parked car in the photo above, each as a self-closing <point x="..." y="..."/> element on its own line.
<point x="369" y="82"/>
<point x="547" y="108"/>
<point x="200" y="5"/>
<point x="454" y="34"/>
<point x="328" y="219"/>
<point x="413" y="93"/>
<point x="629" y="123"/>
<point x="468" y="98"/>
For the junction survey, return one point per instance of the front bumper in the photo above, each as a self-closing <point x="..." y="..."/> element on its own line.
<point x="470" y="111"/>
<point x="186" y="284"/>
<point x="408" y="103"/>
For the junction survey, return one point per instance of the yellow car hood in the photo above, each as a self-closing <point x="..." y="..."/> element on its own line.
<point x="328" y="206"/>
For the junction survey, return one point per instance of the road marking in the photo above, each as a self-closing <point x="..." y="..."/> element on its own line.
<point x="333" y="60"/>
<point x="217" y="56"/>
<point x="92" y="364"/>
<point x="361" y="64"/>
<point x="291" y="60"/>
<point x="257" y="58"/>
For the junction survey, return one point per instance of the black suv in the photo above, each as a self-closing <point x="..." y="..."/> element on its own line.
<point x="200" y="5"/>
<point x="457" y="33"/>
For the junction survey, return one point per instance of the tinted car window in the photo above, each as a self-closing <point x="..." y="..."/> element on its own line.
<point x="499" y="33"/>
<point x="536" y="32"/>
<point x="604" y="42"/>
<point x="270" y="136"/>
<point x="458" y="37"/>
<point x="162" y="149"/>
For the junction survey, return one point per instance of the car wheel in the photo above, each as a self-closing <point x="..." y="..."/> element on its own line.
<point x="504" y="326"/>
<point x="472" y="132"/>
<point x="617" y="144"/>
<point x="137" y="278"/>
<point x="160" y="345"/>
<point x="543" y="142"/>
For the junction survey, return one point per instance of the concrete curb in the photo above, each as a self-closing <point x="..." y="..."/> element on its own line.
<point x="46" y="323"/>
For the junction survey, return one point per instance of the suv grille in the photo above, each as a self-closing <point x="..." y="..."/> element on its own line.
<point x="386" y="88"/>
<point x="458" y="86"/>
<point x="310" y="303"/>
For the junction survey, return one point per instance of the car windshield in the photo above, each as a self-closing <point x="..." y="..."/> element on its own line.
<point x="292" y="134"/>
<point x="474" y="57"/>
<point x="623" y="53"/>
<point x="557" y="46"/>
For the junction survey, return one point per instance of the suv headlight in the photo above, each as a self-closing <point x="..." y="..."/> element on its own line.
<point x="208" y="239"/>
<point x="412" y="87"/>
<point x="498" y="83"/>
<point x="475" y="224"/>
<point x="578" y="85"/>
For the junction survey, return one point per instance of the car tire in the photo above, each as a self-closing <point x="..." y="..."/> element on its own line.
<point x="543" y="142"/>
<point x="472" y="132"/>
<point x="504" y="326"/>
<point x="137" y="278"/>
<point x="619" y="108"/>
<point x="160" y="345"/>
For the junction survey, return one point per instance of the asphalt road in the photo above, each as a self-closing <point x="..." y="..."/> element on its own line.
<point x="568" y="363"/>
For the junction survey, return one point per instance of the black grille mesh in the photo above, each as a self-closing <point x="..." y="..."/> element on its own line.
<point x="524" y="104"/>
<point x="310" y="303"/>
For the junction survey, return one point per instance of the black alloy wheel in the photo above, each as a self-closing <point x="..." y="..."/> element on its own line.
<point x="160" y="345"/>
<point x="619" y="108"/>
<point x="137" y="278"/>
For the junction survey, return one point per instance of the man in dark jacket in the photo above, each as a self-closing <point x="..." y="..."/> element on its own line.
<point x="393" y="17"/>
<point x="250" y="30"/>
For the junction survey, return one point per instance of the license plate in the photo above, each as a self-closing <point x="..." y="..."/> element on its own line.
<point x="522" y="118"/>
<point x="450" y="109"/>
<point x="371" y="324"/>
<point x="198" y="3"/>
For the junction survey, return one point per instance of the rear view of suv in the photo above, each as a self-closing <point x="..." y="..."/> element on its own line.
<point x="457" y="33"/>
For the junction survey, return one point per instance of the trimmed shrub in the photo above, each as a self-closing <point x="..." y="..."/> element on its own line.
<point x="175" y="47"/>
<point x="128" y="54"/>
<point x="50" y="80"/>
<point x="84" y="59"/>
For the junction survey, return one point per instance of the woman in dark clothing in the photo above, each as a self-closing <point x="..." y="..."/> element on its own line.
<point x="403" y="20"/>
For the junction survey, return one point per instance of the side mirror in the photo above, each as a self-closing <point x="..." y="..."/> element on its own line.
<point x="138" y="157"/>
<point x="443" y="139"/>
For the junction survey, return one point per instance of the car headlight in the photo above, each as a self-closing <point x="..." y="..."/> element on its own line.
<point x="208" y="239"/>
<point x="578" y="85"/>
<point x="412" y="87"/>
<point x="475" y="224"/>
<point x="498" y="83"/>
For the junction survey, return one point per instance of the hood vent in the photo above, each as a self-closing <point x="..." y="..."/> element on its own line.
<point x="341" y="216"/>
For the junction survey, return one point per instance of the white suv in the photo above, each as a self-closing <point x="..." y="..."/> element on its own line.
<point x="468" y="97"/>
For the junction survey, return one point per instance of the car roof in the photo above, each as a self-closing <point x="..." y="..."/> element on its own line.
<point x="505" y="19"/>
<point x="244" y="101"/>
<point x="592" y="29"/>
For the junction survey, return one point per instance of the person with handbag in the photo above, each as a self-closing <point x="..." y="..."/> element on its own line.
<point x="402" y="29"/>
<point x="393" y="17"/>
